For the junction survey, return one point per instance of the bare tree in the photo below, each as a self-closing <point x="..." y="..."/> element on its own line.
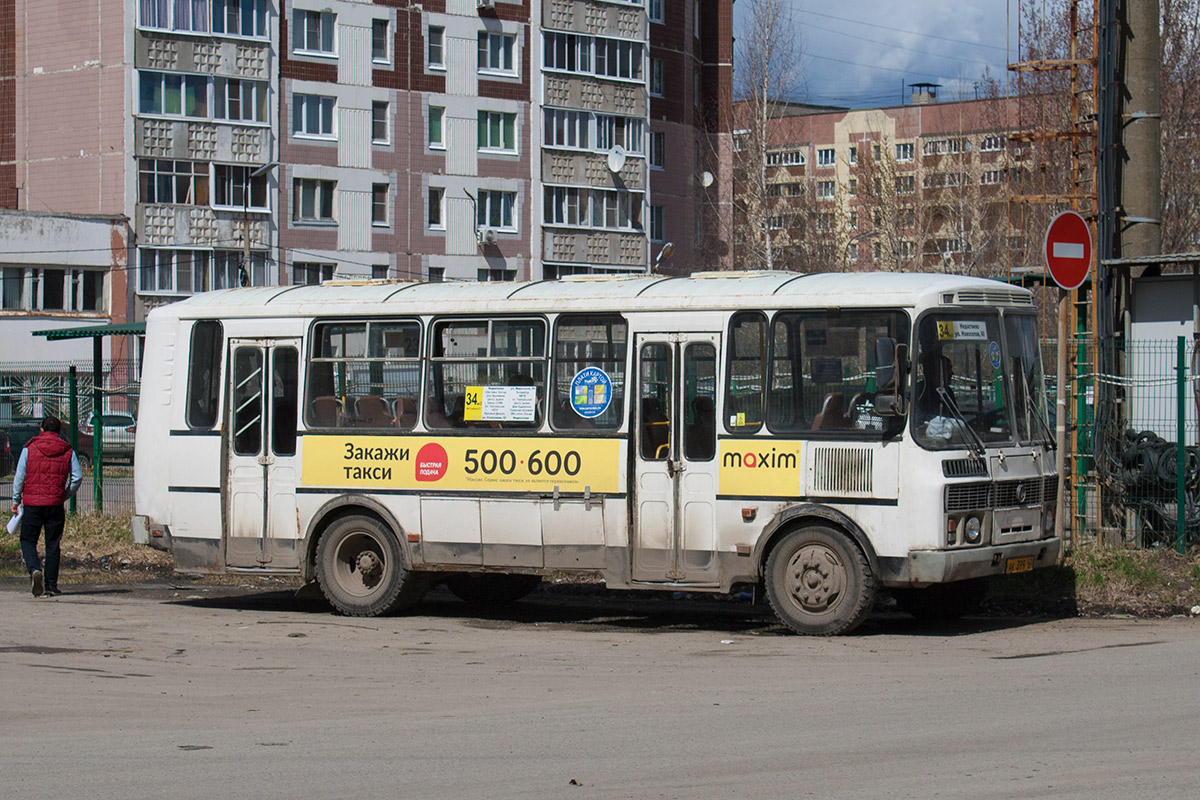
<point x="1180" y="126"/>
<point x="767" y="56"/>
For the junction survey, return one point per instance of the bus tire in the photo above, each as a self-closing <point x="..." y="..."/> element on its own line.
<point x="492" y="590"/>
<point x="362" y="569"/>
<point x="942" y="602"/>
<point x="819" y="582"/>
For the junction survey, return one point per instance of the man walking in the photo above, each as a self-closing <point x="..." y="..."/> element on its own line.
<point x="48" y="473"/>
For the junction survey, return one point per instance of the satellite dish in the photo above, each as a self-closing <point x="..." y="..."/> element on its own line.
<point x="706" y="179"/>
<point x="616" y="159"/>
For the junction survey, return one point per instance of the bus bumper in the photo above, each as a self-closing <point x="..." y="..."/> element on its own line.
<point x="925" y="567"/>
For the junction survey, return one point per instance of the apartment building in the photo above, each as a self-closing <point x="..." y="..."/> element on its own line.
<point x="917" y="187"/>
<point x="253" y="142"/>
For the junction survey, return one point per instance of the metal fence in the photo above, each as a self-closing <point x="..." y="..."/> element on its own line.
<point x="31" y="390"/>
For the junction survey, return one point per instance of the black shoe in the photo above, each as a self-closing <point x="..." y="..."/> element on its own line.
<point x="36" y="583"/>
<point x="51" y="593"/>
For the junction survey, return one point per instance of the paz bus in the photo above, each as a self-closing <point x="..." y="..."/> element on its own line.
<point x="814" y="439"/>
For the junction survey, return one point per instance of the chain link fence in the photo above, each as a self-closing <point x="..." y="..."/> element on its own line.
<point x="31" y="390"/>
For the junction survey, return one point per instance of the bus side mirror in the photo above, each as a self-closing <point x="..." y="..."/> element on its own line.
<point x="891" y="377"/>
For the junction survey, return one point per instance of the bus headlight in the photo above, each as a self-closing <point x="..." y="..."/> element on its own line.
<point x="973" y="530"/>
<point x="1048" y="521"/>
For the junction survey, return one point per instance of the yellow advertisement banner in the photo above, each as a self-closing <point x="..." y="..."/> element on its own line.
<point x="760" y="468"/>
<point x="482" y="464"/>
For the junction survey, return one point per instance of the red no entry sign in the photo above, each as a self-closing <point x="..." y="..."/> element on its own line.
<point x="1068" y="250"/>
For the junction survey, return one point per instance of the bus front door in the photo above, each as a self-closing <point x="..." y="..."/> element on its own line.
<point x="676" y="468"/>
<point x="262" y="528"/>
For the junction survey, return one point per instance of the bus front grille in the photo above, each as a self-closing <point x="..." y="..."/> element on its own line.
<point x="1002" y="494"/>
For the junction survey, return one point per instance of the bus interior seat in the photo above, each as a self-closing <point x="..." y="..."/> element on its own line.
<point x="701" y="434"/>
<point x="404" y="409"/>
<point x="372" y="411"/>
<point x="326" y="412"/>
<point x="656" y="430"/>
<point x="833" y="413"/>
<point x="458" y="409"/>
<point x="435" y="415"/>
<point x="859" y="400"/>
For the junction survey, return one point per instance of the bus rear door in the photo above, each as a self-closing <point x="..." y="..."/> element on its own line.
<point x="675" y="479"/>
<point x="262" y="529"/>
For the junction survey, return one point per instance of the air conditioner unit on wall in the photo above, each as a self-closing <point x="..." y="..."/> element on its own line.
<point x="488" y="236"/>
<point x="482" y="4"/>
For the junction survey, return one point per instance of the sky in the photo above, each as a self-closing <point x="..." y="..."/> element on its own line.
<point x="865" y="53"/>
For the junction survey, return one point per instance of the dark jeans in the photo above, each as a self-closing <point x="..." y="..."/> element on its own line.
<point x="33" y="520"/>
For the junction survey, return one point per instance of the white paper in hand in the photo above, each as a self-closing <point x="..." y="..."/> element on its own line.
<point x="14" y="524"/>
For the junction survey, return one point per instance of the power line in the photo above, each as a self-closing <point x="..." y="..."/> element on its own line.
<point x="899" y="46"/>
<point x="894" y="29"/>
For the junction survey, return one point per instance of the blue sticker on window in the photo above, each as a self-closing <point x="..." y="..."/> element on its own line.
<point x="591" y="392"/>
<point x="994" y="354"/>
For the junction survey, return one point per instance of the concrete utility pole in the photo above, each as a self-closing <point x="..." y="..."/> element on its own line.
<point x="1139" y="228"/>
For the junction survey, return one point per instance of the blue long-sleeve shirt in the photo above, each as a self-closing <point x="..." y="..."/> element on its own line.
<point x="73" y="481"/>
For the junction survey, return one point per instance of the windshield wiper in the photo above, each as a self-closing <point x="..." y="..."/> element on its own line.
<point x="1031" y="410"/>
<point x="974" y="437"/>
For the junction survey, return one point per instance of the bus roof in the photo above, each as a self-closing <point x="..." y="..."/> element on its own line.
<point x="701" y="291"/>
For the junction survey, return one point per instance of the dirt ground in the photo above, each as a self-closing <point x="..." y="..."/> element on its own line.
<point x="1091" y="581"/>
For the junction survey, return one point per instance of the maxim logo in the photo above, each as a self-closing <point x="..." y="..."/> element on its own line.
<point x="752" y="460"/>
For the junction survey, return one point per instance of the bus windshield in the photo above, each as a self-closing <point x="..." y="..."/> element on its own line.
<point x="959" y="382"/>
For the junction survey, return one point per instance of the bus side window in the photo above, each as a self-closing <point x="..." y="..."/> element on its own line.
<point x="581" y="341"/>
<point x="204" y="374"/>
<point x="746" y="384"/>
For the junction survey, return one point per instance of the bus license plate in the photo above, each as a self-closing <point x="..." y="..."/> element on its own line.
<point x="1023" y="564"/>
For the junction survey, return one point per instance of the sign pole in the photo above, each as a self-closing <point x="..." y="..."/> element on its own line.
<point x="1060" y="416"/>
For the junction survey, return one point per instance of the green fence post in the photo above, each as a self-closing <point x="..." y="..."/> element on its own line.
<point x="73" y="413"/>
<point x="1180" y="451"/>
<point x="97" y="428"/>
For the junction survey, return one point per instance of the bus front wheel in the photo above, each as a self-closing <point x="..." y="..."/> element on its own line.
<point x="819" y="582"/>
<point x="362" y="571"/>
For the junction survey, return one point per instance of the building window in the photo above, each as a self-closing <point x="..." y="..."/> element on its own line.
<point x="238" y="100"/>
<point x="991" y="143"/>
<point x="312" y="200"/>
<point x="906" y="184"/>
<point x="658" y="149"/>
<point x="696" y="88"/>
<point x="229" y="187"/>
<point x="852" y="187"/>
<point x="240" y="18"/>
<point x="495" y="209"/>
<point x="786" y="158"/>
<point x="381" y="50"/>
<point x="854" y="220"/>
<point x="164" y="181"/>
<point x="617" y="58"/>
<point x="435" y="128"/>
<point x="189" y="271"/>
<point x="614" y="209"/>
<point x="173" y="94"/>
<point x="379" y="204"/>
<point x="825" y="157"/>
<point x="379" y="122"/>
<point x="52" y="289"/>
<point x="312" y="31"/>
<point x="437" y="208"/>
<point x="566" y="205"/>
<point x="654" y="10"/>
<point x="906" y="249"/>
<point x="657" y="227"/>
<point x="175" y="15"/>
<point x="497" y="131"/>
<point x="496" y="275"/>
<point x="437" y="274"/>
<point x="626" y="132"/>
<point x="656" y="77"/>
<point x="875" y="153"/>
<point x="569" y="52"/>
<point x="904" y="152"/>
<point x="379" y="272"/>
<point x="435" y="47"/>
<point x="826" y="190"/>
<point x="496" y="52"/>
<point x="991" y="177"/>
<point x="852" y="252"/>
<point x="567" y="128"/>
<point x="312" y="115"/>
<point x="310" y="274"/>
<point x="853" y="156"/>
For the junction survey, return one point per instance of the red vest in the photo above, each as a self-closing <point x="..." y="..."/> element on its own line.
<point x="47" y="468"/>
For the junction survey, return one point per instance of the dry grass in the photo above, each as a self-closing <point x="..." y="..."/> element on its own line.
<point x="94" y="547"/>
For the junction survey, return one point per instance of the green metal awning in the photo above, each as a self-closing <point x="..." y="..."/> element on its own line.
<point x="93" y="331"/>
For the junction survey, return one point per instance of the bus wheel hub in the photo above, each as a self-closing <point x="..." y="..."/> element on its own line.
<point x="817" y="578"/>
<point x="369" y="565"/>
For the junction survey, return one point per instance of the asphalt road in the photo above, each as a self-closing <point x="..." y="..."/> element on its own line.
<point x="155" y="691"/>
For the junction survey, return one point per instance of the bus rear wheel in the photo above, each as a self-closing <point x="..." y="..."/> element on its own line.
<point x="491" y="590"/>
<point x="362" y="570"/>
<point x="819" y="582"/>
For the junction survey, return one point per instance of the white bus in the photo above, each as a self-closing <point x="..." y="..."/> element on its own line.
<point x="815" y="438"/>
